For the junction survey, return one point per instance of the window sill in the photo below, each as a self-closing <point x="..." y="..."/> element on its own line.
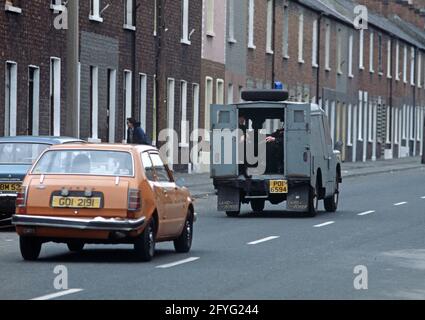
<point x="286" y="57"/>
<point x="129" y="27"/>
<point x="185" y="42"/>
<point x="327" y="69"/>
<point x="340" y="73"/>
<point x="380" y="74"/>
<point x="300" y="61"/>
<point x="361" y="68"/>
<point x="397" y="79"/>
<point x="351" y="76"/>
<point x="389" y="77"/>
<point x="252" y="46"/>
<point x="232" y="40"/>
<point x="371" y="71"/>
<point x="315" y="65"/>
<point x="57" y="7"/>
<point x="13" y="9"/>
<point x="210" y="34"/>
<point x="95" y="18"/>
<point x="270" y="52"/>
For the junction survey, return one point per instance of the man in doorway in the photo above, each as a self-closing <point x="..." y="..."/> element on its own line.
<point x="135" y="134"/>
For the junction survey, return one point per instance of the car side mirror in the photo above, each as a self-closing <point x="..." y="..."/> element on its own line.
<point x="338" y="145"/>
<point x="180" y="182"/>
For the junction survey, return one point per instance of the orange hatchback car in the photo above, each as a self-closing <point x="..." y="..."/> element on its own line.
<point x="107" y="194"/>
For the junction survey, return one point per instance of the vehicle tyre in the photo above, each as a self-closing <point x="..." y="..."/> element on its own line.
<point x="144" y="246"/>
<point x="30" y="248"/>
<point x="234" y="214"/>
<point x="184" y="242"/>
<point x="75" y="246"/>
<point x="258" y="205"/>
<point x="331" y="203"/>
<point x="313" y="201"/>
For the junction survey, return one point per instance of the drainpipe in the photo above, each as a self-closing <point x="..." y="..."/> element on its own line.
<point x="158" y="45"/>
<point x="319" y="29"/>
<point x="134" y="64"/>
<point x="273" y="43"/>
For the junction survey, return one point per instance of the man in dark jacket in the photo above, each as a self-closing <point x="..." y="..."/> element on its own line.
<point x="135" y="134"/>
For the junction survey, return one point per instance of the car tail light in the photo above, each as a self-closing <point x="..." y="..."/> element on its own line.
<point x="21" y="201"/>
<point x="134" y="200"/>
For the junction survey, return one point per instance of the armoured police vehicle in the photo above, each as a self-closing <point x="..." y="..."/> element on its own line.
<point x="269" y="149"/>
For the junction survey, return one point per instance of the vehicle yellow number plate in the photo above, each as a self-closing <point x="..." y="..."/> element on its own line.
<point x="278" y="186"/>
<point x="10" y="187"/>
<point x="75" y="202"/>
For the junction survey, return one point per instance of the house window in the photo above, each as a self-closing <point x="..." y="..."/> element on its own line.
<point x="220" y="92"/>
<point x="371" y="56"/>
<point x="170" y="103"/>
<point x="285" y="41"/>
<point x="111" y="103"/>
<point x="251" y="8"/>
<point x="208" y="101"/>
<point x="11" y="96"/>
<point x="397" y="61"/>
<point x="339" y="51"/>
<point x="419" y="70"/>
<point x="350" y="56"/>
<point x="184" y="129"/>
<point x="33" y="101"/>
<point x="94" y="101"/>
<point x="412" y="66"/>
<point x="405" y="64"/>
<point x="388" y="125"/>
<point x="210" y="17"/>
<point x="231" y="21"/>
<point x="55" y="96"/>
<point x="128" y="96"/>
<point x="360" y="127"/>
<point x="230" y="94"/>
<point x="301" y="38"/>
<point x="185" y="22"/>
<point x="143" y="82"/>
<point x="129" y="21"/>
<point x="155" y="17"/>
<point x="315" y="43"/>
<point x="269" y="36"/>
<point x="349" y="126"/>
<point x="396" y="125"/>
<point x="404" y="121"/>
<point x="389" y="55"/>
<point x="380" y="63"/>
<point x="361" y="49"/>
<point x="328" y="47"/>
<point x="195" y="125"/>
<point x="95" y="11"/>
<point x="370" y="121"/>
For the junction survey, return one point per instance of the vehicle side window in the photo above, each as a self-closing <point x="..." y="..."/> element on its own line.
<point x="160" y="169"/>
<point x="327" y="131"/>
<point x="147" y="164"/>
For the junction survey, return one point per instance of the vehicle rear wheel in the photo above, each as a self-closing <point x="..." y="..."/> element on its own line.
<point x="75" y="246"/>
<point x="313" y="201"/>
<point x="258" y="205"/>
<point x="144" y="246"/>
<point x="233" y="214"/>
<point x="184" y="242"/>
<point x="30" y="248"/>
<point x="331" y="203"/>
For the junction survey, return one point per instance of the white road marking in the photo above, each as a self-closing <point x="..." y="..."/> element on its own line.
<point x="366" y="212"/>
<point x="423" y="197"/>
<point x="324" y="224"/>
<point x="263" y="240"/>
<point x="400" y="203"/>
<point x="58" y="294"/>
<point x="9" y="240"/>
<point x="173" y="264"/>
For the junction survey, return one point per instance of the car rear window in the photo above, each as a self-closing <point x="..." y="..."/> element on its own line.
<point x="20" y="153"/>
<point x="85" y="162"/>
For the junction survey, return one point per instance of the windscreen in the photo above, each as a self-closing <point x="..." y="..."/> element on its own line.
<point x="85" y="162"/>
<point x="20" y="153"/>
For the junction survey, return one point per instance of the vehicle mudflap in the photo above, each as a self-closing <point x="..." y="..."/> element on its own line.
<point x="297" y="198"/>
<point x="228" y="199"/>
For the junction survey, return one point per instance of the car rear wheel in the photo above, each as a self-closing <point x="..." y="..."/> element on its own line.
<point x="76" y="246"/>
<point x="313" y="201"/>
<point x="144" y="246"/>
<point x="331" y="203"/>
<point x="258" y="205"/>
<point x="233" y="214"/>
<point x="184" y="242"/>
<point x="30" y="248"/>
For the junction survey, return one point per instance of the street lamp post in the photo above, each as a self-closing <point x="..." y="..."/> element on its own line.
<point x="72" y="66"/>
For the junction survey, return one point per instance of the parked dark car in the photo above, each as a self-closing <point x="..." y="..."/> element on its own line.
<point x="17" y="154"/>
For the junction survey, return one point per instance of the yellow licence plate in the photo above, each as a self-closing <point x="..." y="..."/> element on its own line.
<point x="75" y="202"/>
<point x="278" y="186"/>
<point x="10" y="187"/>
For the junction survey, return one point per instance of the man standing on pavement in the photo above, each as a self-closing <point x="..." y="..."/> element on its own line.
<point x="135" y="134"/>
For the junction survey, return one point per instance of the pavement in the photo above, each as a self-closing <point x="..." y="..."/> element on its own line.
<point x="201" y="185"/>
<point x="373" y="247"/>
